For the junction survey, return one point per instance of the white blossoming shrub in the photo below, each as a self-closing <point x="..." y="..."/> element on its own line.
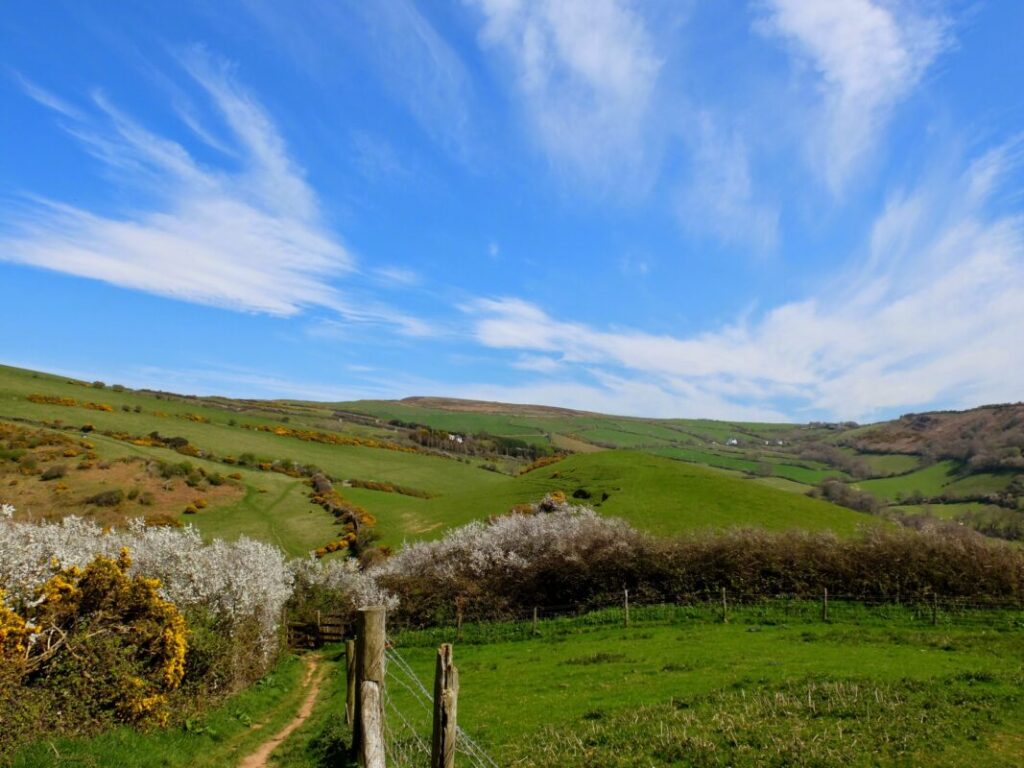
<point x="507" y="544"/>
<point x="493" y="566"/>
<point x="336" y="586"/>
<point x="239" y="583"/>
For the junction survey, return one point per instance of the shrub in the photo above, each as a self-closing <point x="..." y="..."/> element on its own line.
<point x="242" y="584"/>
<point x="55" y="472"/>
<point x="95" y="645"/>
<point x="571" y="556"/>
<point x="109" y="498"/>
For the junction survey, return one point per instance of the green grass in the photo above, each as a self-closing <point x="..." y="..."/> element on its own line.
<point x="809" y="474"/>
<point x="884" y="464"/>
<point x="943" y="511"/>
<point x="874" y="687"/>
<point x="220" y="738"/>
<point x="930" y="481"/>
<point x="935" y="480"/>
<point x="655" y="494"/>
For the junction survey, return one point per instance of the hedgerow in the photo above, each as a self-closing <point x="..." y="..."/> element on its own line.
<point x="555" y="555"/>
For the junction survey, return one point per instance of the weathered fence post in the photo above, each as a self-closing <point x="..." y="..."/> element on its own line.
<point x="725" y="609"/>
<point x="446" y="700"/>
<point x="935" y="609"/>
<point x="824" y="605"/>
<point x="626" y="593"/>
<point x="459" y="606"/>
<point x="350" y="679"/>
<point x="368" y="735"/>
<point x="535" y="620"/>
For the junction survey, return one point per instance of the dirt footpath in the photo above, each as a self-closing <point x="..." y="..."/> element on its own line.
<point x="315" y="669"/>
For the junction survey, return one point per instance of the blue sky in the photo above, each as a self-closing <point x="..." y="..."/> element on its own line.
<point x="776" y="209"/>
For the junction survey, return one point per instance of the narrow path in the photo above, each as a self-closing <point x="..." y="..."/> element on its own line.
<point x="315" y="670"/>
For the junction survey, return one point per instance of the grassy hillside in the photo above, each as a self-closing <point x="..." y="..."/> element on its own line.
<point x="664" y="476"/>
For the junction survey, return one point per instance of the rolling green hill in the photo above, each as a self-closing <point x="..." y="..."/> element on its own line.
<point x="463" y="460"/>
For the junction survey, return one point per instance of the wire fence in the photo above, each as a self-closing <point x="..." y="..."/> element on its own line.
<point x="890" y="610"/>
<point x="409" y="721"/>
<point x="409" y="705"/>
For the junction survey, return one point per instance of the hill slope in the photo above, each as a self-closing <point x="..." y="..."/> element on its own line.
<point x="422" y="465"/>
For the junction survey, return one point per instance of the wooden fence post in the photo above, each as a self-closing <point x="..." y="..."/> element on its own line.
<point x="368" y="735"/>
<point x="535" y="620"/>
<point x="446" y="700"/>
<point x="626" y="593"/>
<point x="725" y="613"/>
<point x="824" y="605"/>
<point x="935" y="609"/>
<point x="459" y="604"/>
<point x="350" y="679"/>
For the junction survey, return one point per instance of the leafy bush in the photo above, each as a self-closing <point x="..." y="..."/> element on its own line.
<point x="95" y="644"/>
<point x="572" y="556"/>
<point x="54" y="472"/>
<point x="243" y="584"/>
<point x="110" y="498"/>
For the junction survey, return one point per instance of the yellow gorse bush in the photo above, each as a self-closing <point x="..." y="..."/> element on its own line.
<point x="102" y="601"/>
<point x="14" y="635"/>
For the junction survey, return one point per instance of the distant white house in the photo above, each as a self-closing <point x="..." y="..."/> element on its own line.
<point x="732" y="441"/>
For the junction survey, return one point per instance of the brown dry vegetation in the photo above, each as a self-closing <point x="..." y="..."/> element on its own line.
<point x="933" y="433"/>
<point x="27" y="456"/>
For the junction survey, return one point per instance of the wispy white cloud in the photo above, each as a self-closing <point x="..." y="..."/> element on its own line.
<point x="46" y="98"/>
<point x="397" y="276"/>
<point x="719" y="198"/>
<point x="586" y="73"/>
<point x="867" y="56"/>
<point x="249" y="239"/>
<point x="930" y="313"/>
<point x="413" y="63"/>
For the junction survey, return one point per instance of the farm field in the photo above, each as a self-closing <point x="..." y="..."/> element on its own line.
<point x="773" y="686"/>
<point x="685" y="689"/>
<point x="654" y="493"/>
<point x="664" y="476"/>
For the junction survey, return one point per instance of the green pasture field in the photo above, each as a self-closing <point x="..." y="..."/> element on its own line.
<point x="983" y="482"/>
<point x="655" y="494"/>
<point x="872" y="687"/>
<point x="773" y="686"/>
<point x="884" y="464"/>
<point x="943" y="511"/>
<point x="931" y="481"/>
<point x="622" y="438"/>
<point x="748" y="463"/>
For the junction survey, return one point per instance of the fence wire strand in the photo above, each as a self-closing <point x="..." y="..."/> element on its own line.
<point x="408" y="734"/>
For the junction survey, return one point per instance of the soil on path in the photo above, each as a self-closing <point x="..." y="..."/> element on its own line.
<point x="314" y="677"/>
